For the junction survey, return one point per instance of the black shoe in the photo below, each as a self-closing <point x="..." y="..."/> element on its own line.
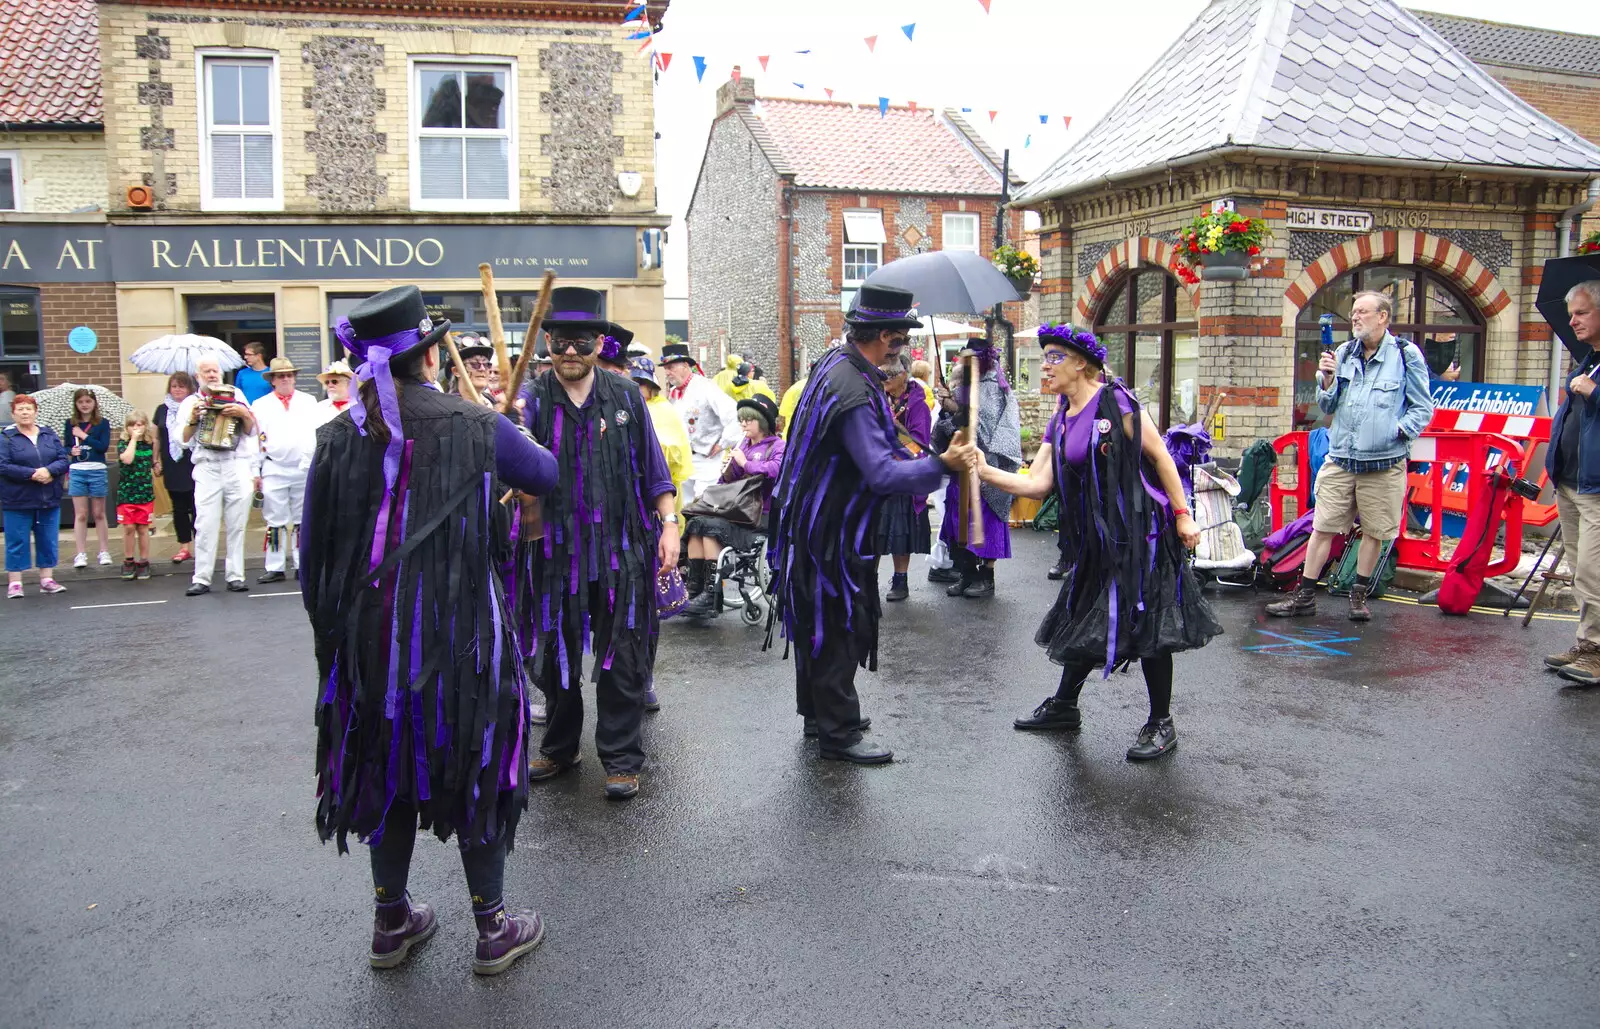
<point x="810" y="727"/>
<point x="705" y="606"/>
<point x="1057" y="572"/>
<point x="270" y="577"/>
<point x="196" y="589"/>
<point x="982" y="585"/>
<point x="959" y="589"/>
<point x="1054" y="714"/>
<point x="862" y="753"/>
<point x="945" y="575"/>
<point x="695" y="581"/>
<point x="898" y="589"/>
<point x="1155" y="739"/>
<point x="237" y="586"/>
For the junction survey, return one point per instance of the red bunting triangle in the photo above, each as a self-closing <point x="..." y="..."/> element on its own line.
<point x="664" y="61"/>
<point x="1066" y="121"/>
<point x="763" y="61"/>
<point x="828" y="91"/>
<point x="991" y="116"/>
<point x="985" y="4"/>
<point x="872" y="44"/>
<point x="913" y="105"/>
<point x="736" y="73"/>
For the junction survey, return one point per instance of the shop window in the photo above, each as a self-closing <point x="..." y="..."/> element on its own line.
<point x="1152" y="342"/>
<point x="20" y="337"/>
<point x="1427" y="310"/>
<point x="961" y="232"/>
<point x="235" y="319"/>
<point x="10" y="181"/>
<point x="240" y="159"/>
<point x="462" y="138"/>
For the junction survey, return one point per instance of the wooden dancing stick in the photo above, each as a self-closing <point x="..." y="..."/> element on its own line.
<point x="540" y="309"/>
<point x="465" y="381"/>
<point x="497" y="331"/>
<point x="974" y="494"/>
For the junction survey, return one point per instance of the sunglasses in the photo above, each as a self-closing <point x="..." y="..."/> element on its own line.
<point x="583" y="347"/>
<point x="1054" y="356"/>
<point x="480" y="364"/>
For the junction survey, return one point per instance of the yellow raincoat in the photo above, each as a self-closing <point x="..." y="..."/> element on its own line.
<point x="674" y="439"/>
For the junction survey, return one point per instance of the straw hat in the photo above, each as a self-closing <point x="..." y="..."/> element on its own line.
<point x="334" y="371"/>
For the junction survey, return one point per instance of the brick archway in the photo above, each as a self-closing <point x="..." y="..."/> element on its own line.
<point x="1126" y="256"/>
<point x="1406" y="247"/>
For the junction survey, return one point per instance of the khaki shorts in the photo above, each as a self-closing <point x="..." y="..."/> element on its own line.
<point x="1376" y="496"/>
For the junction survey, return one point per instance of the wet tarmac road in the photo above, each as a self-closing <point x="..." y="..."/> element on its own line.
<point x="1388" y="825"/>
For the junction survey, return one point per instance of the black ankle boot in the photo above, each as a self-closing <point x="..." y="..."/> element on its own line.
<point x="982" y="583"/>
<point x="899" y="589"/>
<point x="967" y="567"/>
<point x="707" y="604"/>
<point x="695" y="581"/>
<point x="1158" y="737"/>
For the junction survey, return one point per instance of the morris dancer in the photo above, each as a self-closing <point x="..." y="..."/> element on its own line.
<point x="1130" y="592"/>
<point x="286" y="424"/>
<point x="422" y="716"/>
<point x="842" y="461"/>
<point x="335" y="380"/>
<point x="589" y="582"/>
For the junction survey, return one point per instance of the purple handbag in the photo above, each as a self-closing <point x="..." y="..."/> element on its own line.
<point x="672" y="595"/>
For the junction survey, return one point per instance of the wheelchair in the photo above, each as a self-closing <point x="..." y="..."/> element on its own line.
<point x="748" y="569"/>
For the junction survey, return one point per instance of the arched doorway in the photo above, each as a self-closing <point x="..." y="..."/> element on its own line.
<point x="1428" y="310"/>
<point x="1152" y="339"/>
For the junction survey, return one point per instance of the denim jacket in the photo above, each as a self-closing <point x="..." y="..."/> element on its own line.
<point x="1378" y="406"/>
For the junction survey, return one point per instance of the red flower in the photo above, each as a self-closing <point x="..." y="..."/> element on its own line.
<point x="1194" y="248"/>
<point x="1254" y="251"/>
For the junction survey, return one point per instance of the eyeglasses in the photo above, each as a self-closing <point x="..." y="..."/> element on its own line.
<point x="479" y="364"/>
<point x="582" y="346"/>
<point x="1054" y="356"/>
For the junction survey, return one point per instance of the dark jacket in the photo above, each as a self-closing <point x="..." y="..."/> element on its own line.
<point x="19" y="457"/>
<point x="177" y="476"/>
<point x="94" y="447"/>
<point x="1580" y="415"/>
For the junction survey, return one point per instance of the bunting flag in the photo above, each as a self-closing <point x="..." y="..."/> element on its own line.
<point x="909" y="29"/>
<point x="1027" y="143"/>
<point x="991" y="116"/>
<point x="663" y="61"/>
<point x="883" y="107"/>
<point x="637" y="12"/>
<point x="645" y="34"/>
<point x="828" y="91"/>
<point x="872" y="44"/>
<point x="985" y="4"/>
<point x="763" y="61"/>
<point x="1066" y="121"/>
<point x="799" y="85"/>
<point x="699" y="69"/>
<point x="736" y="73"/>
<point x="1044" y="119"/>
<point x="913" y="105"/>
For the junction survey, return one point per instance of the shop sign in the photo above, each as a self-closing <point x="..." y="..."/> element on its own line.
<point x="1487" y="397"/>
<point x="1325" y="219"/>
<point x="302" y="345"/>
<point x="254" y="253"/>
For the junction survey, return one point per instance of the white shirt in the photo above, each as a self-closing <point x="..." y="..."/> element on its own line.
<point x="326" y="412"/>
<point x="288" y="432"/>
<point x="708" y="414"/>
<point x="205" y="455"/>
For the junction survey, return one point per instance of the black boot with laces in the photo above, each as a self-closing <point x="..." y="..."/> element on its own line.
<point x="1158" y="737"/>
<point x="1054" y="715"/>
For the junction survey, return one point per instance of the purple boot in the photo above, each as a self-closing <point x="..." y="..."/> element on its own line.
<point x="502" y="938"/>
<point x="398" y="926"/>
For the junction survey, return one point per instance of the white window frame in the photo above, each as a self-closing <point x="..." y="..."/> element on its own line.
<point x="844" y="262"/>
<point x="864" y="225"/>
<point x="204" y="59"/>
<point x="952" y="217"/>
<point x="414" y="66"/>
<point x="15" y="157"/>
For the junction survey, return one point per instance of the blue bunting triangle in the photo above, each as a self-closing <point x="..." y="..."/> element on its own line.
<point x="909" y="29"/>
<point x="699" y="69"/>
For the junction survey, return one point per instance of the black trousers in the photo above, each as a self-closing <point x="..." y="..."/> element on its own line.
<point x="825" y="688"/>
<point x="618" y="695"/>
<point x="183" y="516"/>
<point x="391" y="861"/>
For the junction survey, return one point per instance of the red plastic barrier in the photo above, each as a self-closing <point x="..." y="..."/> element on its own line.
<point x="1528" y="430"/>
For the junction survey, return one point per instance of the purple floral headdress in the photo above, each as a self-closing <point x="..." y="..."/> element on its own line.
<point x="610" y="349"/>
<point x="1080" y="340"/>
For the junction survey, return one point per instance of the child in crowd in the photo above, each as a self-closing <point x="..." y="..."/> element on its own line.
<point x="136" y="493"/>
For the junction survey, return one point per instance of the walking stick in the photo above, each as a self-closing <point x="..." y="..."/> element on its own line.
<point x="540" y="309"/>
<point x="974" y="512"/>
<point x="531" y="512"/>
<point x="460" y="369"/>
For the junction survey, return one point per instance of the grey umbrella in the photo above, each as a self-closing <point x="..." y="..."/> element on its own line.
<point x="1560" y="275"/>
<point x="55" y="406"/>
<point x="948" y="281"/>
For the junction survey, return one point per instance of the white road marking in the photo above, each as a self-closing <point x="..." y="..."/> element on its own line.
<point x="291" y="593"/>
<point x="131" y="603"/>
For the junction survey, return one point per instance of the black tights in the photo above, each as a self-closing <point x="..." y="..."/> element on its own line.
<point x="1157" y="680"/>
<point x="391" y="862"/>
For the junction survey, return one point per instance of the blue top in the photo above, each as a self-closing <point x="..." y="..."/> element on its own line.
<point x="1379" y="405"/>
<point x="94" y="447"/>
<point x="251" y="383"/>
<point x="20" y="457"/>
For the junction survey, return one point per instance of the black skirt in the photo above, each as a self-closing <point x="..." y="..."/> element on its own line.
<point x="902" y="529"/>
<point x="723" y="531"/>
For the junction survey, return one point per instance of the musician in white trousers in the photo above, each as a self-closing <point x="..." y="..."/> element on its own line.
<point x="222" y="481"/>
<point x="286" y="425"/>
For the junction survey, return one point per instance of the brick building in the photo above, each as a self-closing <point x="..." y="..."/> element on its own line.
<point x="798" y="201"/>
<point x="1381" y="157"/>
<point x="266" y="163"/>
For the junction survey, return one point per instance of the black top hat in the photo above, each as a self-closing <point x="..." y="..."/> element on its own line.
<point x="394" y="311"/>
<point x="764" y="406"/>
<point x="575" y="307"/>
<point x="677" y="352"/>
<point x="883" y="307"/>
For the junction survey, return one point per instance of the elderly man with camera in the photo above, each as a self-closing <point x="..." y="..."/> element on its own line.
<point x="1376" y="389"/>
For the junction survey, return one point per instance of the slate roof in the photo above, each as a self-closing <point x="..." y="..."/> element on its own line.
<point x="1358" y="78"/>
<point x="1490" y="42"/>
<point x="831" y="145"/>
<point x="50" y="63"/>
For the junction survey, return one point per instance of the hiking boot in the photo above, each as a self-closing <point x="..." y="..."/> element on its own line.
<point x="130" y="568"/>
<point x="1053" y="715"/>
<point x="982" y="584"/>
<point x="943" y="575"/>
<point x="622" y="787"/>
<point x="398" y="926"/>
<point x="1359" y="611"/>
<point x="542" y="768"/>
<point x="899" y="589"/>
<point x="1303" y="601"/>
<point x="1155" y="739"/>
<point x="502" y="938"/>
<point x="143" y="571"/>
<point x="1585" y="671"/>
<point x="1577" y="650"/>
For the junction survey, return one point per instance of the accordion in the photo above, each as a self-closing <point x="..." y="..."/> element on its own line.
<point x="218" y="431"/>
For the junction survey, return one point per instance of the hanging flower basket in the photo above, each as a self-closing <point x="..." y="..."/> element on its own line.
<point x="1229" y="264"/>
<point x="1023" y="284"/>
<point x="1018" y="266"/>
<point x="1222" y="244"/>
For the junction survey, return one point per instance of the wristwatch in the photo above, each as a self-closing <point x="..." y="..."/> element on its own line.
<point x="670" y="519"/>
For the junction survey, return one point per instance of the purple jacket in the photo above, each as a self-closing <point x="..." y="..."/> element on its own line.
<point x="19" y="457"/>
<point x="764" y="458"/>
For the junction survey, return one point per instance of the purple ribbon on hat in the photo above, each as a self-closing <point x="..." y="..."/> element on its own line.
<point x="570" y="316"/>
<point x="375" y="355"/>
<point x="879" y="312"/>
